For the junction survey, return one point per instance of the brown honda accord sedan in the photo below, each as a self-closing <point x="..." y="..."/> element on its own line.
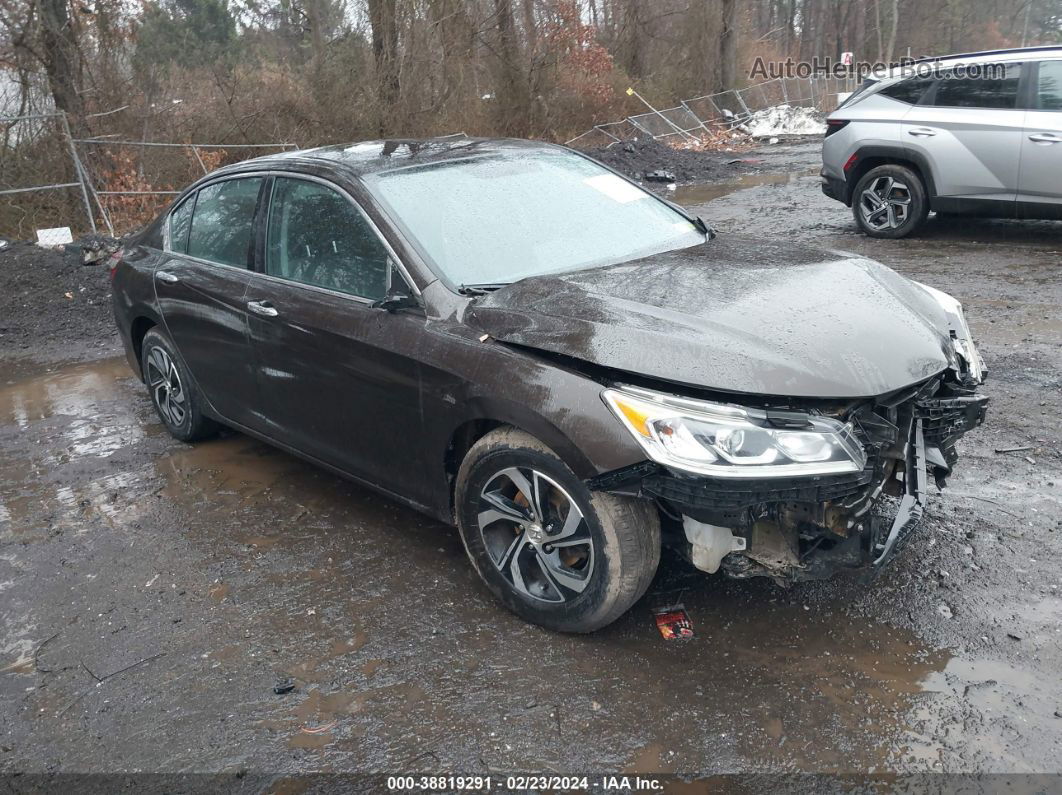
<point x="513" y="338"/>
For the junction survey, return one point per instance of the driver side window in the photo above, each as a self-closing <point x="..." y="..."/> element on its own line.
<point x="317" y="237"/>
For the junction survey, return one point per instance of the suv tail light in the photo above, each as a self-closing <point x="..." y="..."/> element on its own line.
<point x="834" y="125"/>
<point x="113" y="260"/>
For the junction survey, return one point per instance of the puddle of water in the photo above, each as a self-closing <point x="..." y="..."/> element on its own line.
<point x="66" y="421"/>
<point x="688" y="195"/>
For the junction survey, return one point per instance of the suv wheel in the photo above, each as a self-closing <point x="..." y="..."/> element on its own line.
<point x="554" y="552"/>
<point x="174" y="394"/>
<point x="890" y="202"/>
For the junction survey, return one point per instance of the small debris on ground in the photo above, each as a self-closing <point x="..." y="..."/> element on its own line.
<point x="660" y="176"/>
<point x="673" y="622"/>
<point x="96" y="248"/>
<point x="1000" y="450"/>
<point x="283" y="686"/>
<point x="944" y="611"/>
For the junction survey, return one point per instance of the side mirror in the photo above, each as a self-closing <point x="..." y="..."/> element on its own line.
<point x="398" y="295"/>
<point x="393" y="303"/>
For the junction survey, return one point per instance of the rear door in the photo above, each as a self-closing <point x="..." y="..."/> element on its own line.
<point x="337" y="376"/>
<point x="1041" y="156"/>
<point x="968" y="127"/>
<point x="200" y="285"/>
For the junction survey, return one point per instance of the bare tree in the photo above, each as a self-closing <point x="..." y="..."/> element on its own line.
<point x="384" y="23"/>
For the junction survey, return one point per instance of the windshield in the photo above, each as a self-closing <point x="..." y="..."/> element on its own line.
<point x="497" y="218"/>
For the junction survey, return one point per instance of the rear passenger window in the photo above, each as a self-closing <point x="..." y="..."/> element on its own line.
<point x="993" y="90"/>
<point x="180" y="221"/>
<point x="222" y="221"/>
<point x="1049" y="93"/>
<point x="316" y="236"/>
<point x="909" y="90"/>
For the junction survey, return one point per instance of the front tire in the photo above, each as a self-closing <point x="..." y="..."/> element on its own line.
<point x="890" y="202"/>
<point x="554" y="552"/>
<point x="173" y="392"/>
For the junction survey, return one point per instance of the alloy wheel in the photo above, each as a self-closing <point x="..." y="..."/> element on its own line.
<point x="166" y="389"/>
<point x="885" y="203"/>
<point x="535" y="535"/>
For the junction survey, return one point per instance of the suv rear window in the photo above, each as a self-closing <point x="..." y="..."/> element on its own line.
<point x="1049" y="92"/>
<point x="909" y="90"/>
<point x="991" y="91"/>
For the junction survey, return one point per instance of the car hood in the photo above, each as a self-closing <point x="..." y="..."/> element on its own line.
<point x="734" y="315"/>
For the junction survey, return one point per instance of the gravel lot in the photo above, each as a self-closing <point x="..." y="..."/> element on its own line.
<point x="153" y="592"/>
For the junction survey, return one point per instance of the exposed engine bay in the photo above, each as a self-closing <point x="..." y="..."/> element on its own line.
<point x="809" y="527"/>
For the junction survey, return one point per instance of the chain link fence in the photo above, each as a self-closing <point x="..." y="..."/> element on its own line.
<point x="724" y="110"/>
<point x="131" y="181"/>
<point x="41" y="183"/>
<point x="48" y="178"/>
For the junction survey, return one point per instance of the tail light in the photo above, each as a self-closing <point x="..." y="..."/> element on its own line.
<point x="835" y="125"/>
<point x="113" y="260"/>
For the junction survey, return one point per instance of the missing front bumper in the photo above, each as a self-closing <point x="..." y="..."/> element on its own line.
<point x="794" y="529"/>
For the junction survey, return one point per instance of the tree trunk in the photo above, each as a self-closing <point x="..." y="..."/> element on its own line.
<point x="385" y="54"/>
<point x="634" y="24"/>
<point x="895" y="19"/>
<point x="530" y="30"/>
<point x="61" y="59"/>
<point x="728" y="46"/>
<point x="510" y="90"/>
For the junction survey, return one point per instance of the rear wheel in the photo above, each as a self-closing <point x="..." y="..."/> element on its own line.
<point x="174" y="394"/>
<point x="890" y="202"/>
<point x="554" y="552"/>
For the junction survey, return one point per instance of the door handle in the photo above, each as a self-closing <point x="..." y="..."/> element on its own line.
<point x="1045" y="138"/>
<point x="263" y="308"/>
<point x="922" y="132"/>
<point x="166" y="276"/>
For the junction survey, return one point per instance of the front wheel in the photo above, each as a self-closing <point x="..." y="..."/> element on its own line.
<point x="554" y="552"/>
<point x="890" y="202"/>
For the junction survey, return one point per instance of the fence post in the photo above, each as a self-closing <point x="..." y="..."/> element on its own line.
<point x="202" y="165"/>
<point x="78" y="171"/>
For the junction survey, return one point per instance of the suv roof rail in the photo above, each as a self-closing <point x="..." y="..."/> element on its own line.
<point x="1005" y="51"/>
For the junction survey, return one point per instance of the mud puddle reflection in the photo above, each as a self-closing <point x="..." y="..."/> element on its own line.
<point x="60" y="431"/>
<point x="689" y="195"/>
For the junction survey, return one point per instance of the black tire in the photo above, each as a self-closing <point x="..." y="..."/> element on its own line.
<point x="901" y="205"/>
<point x="175" y="396"/>
<point x="612" y="566"/>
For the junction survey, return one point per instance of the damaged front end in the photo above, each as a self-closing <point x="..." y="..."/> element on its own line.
<point x="801" y="490"/>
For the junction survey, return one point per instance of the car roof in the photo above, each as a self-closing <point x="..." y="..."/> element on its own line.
<point x="371" y="157"/>
<point x="1041" y="53"/>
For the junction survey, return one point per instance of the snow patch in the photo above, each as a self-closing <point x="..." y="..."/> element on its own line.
<point x="785" y="120"/>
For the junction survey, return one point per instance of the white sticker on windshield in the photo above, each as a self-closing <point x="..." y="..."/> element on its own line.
<point x="619" y="190"/>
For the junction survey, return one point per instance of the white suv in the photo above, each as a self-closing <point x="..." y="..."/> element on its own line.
<point x="975" y="134"/>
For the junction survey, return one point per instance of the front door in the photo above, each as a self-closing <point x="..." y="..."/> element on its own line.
<point x="200" y="285"/>
<point x="969" y="129"/>
<point x="1041" y="146"/>
<point x="336" y="375"/>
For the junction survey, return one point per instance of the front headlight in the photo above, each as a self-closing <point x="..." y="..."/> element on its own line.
<point x="961" y="338"/>
<point x="733" y="442"/>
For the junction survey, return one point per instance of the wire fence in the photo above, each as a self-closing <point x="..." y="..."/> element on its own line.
<point x="41" y="183"/>
<point x="131" y="181"/>
<point x="48" y="178"/>
<point x="694" y="117"/>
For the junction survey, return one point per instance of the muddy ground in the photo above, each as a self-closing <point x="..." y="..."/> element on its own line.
<point x="152" y="593"/>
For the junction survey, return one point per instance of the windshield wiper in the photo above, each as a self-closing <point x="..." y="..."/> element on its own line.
<point x="480" y="289"/>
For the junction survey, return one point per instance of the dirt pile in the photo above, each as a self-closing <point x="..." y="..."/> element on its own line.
<point x="637" y="157"/>
<point x="52" y="306"/>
